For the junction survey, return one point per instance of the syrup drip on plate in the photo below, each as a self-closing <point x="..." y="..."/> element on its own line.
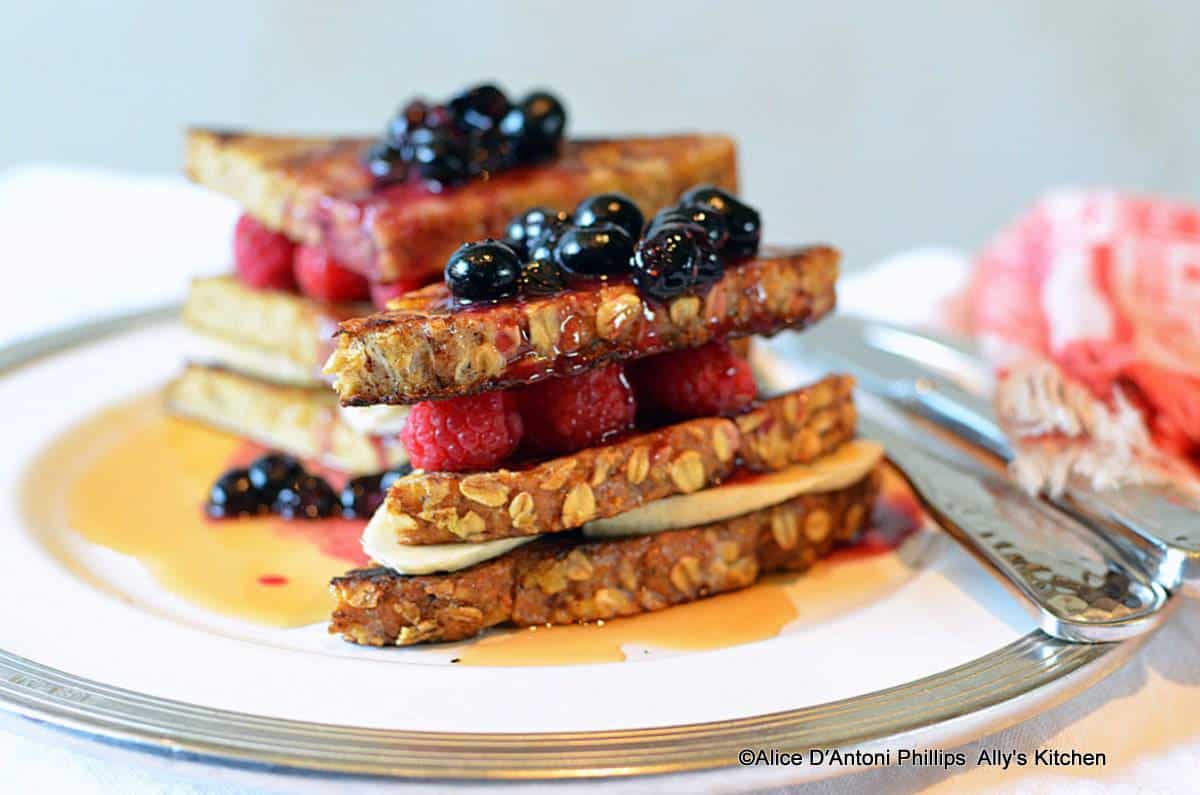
<point x="133" y="480"/>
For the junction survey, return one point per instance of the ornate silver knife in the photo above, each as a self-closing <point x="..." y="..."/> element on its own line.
<point x="938" y="378"/>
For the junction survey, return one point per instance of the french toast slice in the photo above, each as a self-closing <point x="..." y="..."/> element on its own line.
<point x="564" y="579"/>
<point x="304" y="422"/>
<point x="316" y="190"/>
<point x="269" y="334"/>
<point x="422" y="348"/>
<point x="563" y="493"/>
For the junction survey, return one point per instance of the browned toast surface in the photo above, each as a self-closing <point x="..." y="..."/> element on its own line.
<point x="316" y="191"/>
<point x="304" y="422"/>
<point x="422" y="349"/>
<point x="563" y="493"/>
<point x="269" y="322"/>
<point x="564" y="579"/>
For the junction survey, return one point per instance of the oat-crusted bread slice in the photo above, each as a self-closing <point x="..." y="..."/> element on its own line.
<point x="270" y="334"/>
<point x="421" y="349"/>
<point x="316" y="190"/>
<point x="563" y="493"/>
<point x="304" y="422"/>
<point x="564" y="579"/>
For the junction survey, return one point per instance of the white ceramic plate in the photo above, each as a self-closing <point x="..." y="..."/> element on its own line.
<point x="938" y="651"/>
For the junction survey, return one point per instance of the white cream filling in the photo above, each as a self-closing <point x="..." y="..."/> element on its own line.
<point x="848" y="464"/>
<point x="378" y="420"/>
<point x="209" y="350"/>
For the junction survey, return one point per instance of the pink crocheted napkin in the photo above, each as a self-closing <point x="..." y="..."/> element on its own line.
<point x="1090" y="303"/>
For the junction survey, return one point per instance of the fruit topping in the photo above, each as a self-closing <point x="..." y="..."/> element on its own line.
<point x="306" y="497"/>
<point x="542" y="277"/>
<point x="481" y="107"/>
<point x="745" y="226"/>
<point x="464" y="433"/>
<point x="611" y="208"/>
<point x="363" y="495"/>
<point x="322" y="277"/>
<point x="536" y="127"/>
<point x="386" y="162"/>
<point x="476" y="133"/>
<point x="232" y="496"/>
<point x="442" y="156"/>
<point x="594" y="251"/>
<point x="683" y="249"/>
<point x="381" y="293"/>
<point x="262" y="257"/>
<point x="482" y="271"/>
<point x="272" y="472"/>
<point x="525" y="230"/>
<point x="696" y="382"/>
<point x="708" y="220"/>
<point x="676" y="258"/>
<point x="572" y="413"/>
<point x="278" y="483"/>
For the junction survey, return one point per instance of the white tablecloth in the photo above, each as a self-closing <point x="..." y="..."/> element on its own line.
<point x="84" y="243"/>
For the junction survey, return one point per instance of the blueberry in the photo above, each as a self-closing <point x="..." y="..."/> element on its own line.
<point x="441" y="156"/>
<point x="361" y="496"/>
<point x="386" y="162"/>
<point x="542" y="277"/>
<point x="233" y="495"/>
<point x="745" y="225"/>
<point x="600" y="250"/>
<point x="674" y="259"/>
<point x="484" y="270"/>
<point x="536" y="126"/>
<point x="409" y="118"/>
<point x="612" y="208"/>
<point x="488" y="152"/>
<point x="709" y="221"/>
<point x="527" y="227"/>
<point x="271" y="472"/>
<point x="541" y="248"/>
<point x="481" y="107"/>
<point x="307" y="497"/>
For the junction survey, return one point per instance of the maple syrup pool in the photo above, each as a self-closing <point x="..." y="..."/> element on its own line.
<point x="132" y="479"/>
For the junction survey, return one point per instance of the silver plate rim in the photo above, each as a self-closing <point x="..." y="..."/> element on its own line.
<point x="66" y="701"/>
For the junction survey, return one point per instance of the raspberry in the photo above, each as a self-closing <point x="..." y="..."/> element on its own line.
<point x="263" y="258"/>
<point x="698" y="382"/>
<point x="322" y="277"/>
<point x="382" y="293"/>
<point x="572" y="413"/>
<point x="463" y="433"/>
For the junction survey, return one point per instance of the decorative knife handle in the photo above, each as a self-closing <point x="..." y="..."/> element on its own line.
<point x="1158" y="524"/>
<point x="1081" y="587"/>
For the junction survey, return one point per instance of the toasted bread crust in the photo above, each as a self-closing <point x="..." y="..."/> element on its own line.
<point x="316" y="191"/>
<point x="564" y="579"/>
<point x="272" y="322"/>
<point x="304" y="422"/>
<point x="563" y="493"/>
<point x="420" y="350"/>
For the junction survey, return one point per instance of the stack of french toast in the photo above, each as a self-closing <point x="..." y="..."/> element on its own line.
<point x="546" y="342"/>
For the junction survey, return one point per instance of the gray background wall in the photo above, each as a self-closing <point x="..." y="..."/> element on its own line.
<point x="874" y="125"/>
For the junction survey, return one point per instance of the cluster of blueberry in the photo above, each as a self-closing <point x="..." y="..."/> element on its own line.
<point x="683" y="248"/>
<point x="279" y="484"/>
<point x="479" y="131"/>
